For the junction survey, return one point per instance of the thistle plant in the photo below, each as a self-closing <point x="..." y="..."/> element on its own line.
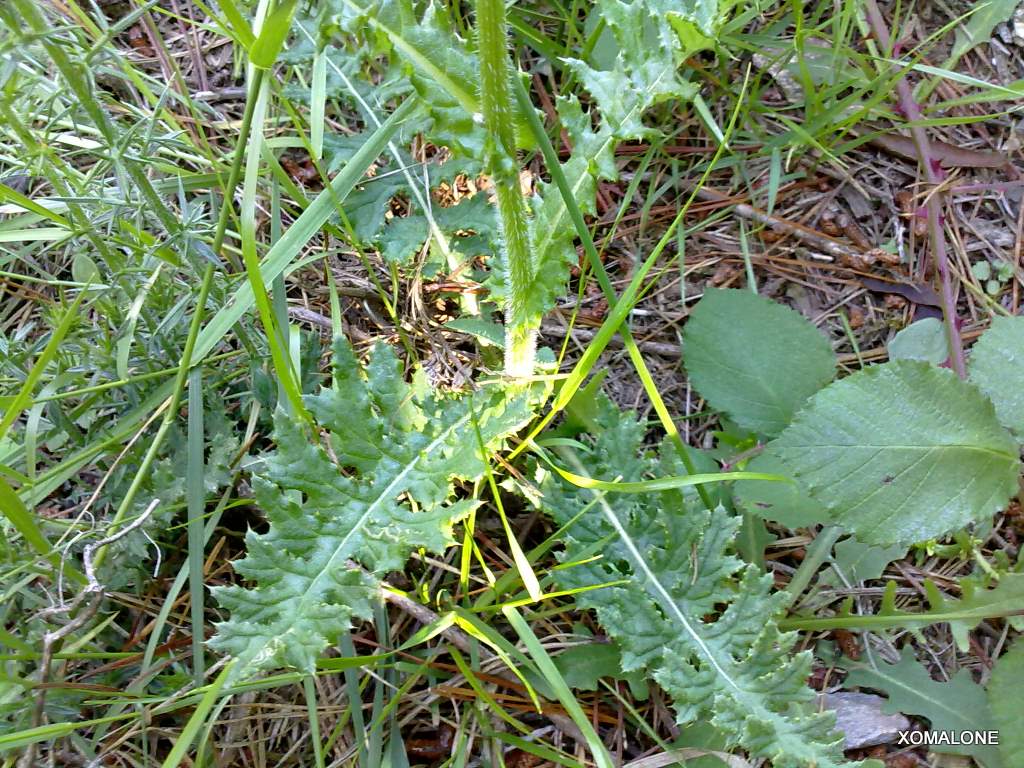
<point x="500" y="157"/>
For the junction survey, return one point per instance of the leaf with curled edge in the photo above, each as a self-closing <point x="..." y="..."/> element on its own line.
<point x="683" y="607"/>
<point x="333" y="535"/>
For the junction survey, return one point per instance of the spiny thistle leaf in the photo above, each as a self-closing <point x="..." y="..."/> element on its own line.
<point x="685" y="608"/>
<point x="651" y="52"/>
<point x="646" y="73"/>
<point x="442" y="66"/>
<point x="333" y="535"/>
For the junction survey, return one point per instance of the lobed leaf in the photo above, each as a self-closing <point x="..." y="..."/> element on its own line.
<point x="683" y="607"/>
<point x="979" y="25"/>
<point x="651" y="53"/>
<point x="954" y="706"/>
<point x="854" y="561"/>
<point x="1005" y="701"/>
<point x="1006" y="599"/>
<point x="333" y="535"/>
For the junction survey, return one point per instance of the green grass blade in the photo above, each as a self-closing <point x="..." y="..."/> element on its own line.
<point x="554" y="678"/>
<point x="49" y="732"/>
<point x="309" y="690"/>
<point x="282" y="362"/>
<point x="285" y="250"/>
<point x="662" y="483"/>
<point x="195" y="498"/>
<point x="24" y="396"/>
<point x="273" y="33"/>
<point x="24" y="522"/>
<point x="317" y="104"/>
<point x="191" y="729"/>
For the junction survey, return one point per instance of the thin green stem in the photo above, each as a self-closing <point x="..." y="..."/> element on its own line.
<point x="594" y="260"/>
<point x="817" y="553"/>
<point x="496" y="105"/>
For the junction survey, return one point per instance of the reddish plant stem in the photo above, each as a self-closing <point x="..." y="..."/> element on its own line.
<point x="933" y="175"/>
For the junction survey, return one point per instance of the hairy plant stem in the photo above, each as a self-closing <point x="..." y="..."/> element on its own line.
<point x="496" y="105"/>
<point x="594" y="260"/>
<point x="933" y="175"/>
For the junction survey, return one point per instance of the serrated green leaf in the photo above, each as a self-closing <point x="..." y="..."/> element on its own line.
<point x="1006" y="702"/>
<point x="333" y="535"/>
<point x="997" y="367"/>
<point x="403" y="238"/>
<point x="754" y="359"/>
<point x="902" y="452"/>
<point x="682" y="607"/>
<point x="651" y="52"/>
<point x="955" y="706"/>
<point x="367" y="206"/>
<point x="442" y="67"/>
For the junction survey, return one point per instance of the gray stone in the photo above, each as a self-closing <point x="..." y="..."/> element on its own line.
<point x="860" y="719"/>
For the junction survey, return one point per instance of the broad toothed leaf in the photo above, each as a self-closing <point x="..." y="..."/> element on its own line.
<point x="902" y="452"/>
<point x="333" y="535"/>
<point x="684" y="607"/>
